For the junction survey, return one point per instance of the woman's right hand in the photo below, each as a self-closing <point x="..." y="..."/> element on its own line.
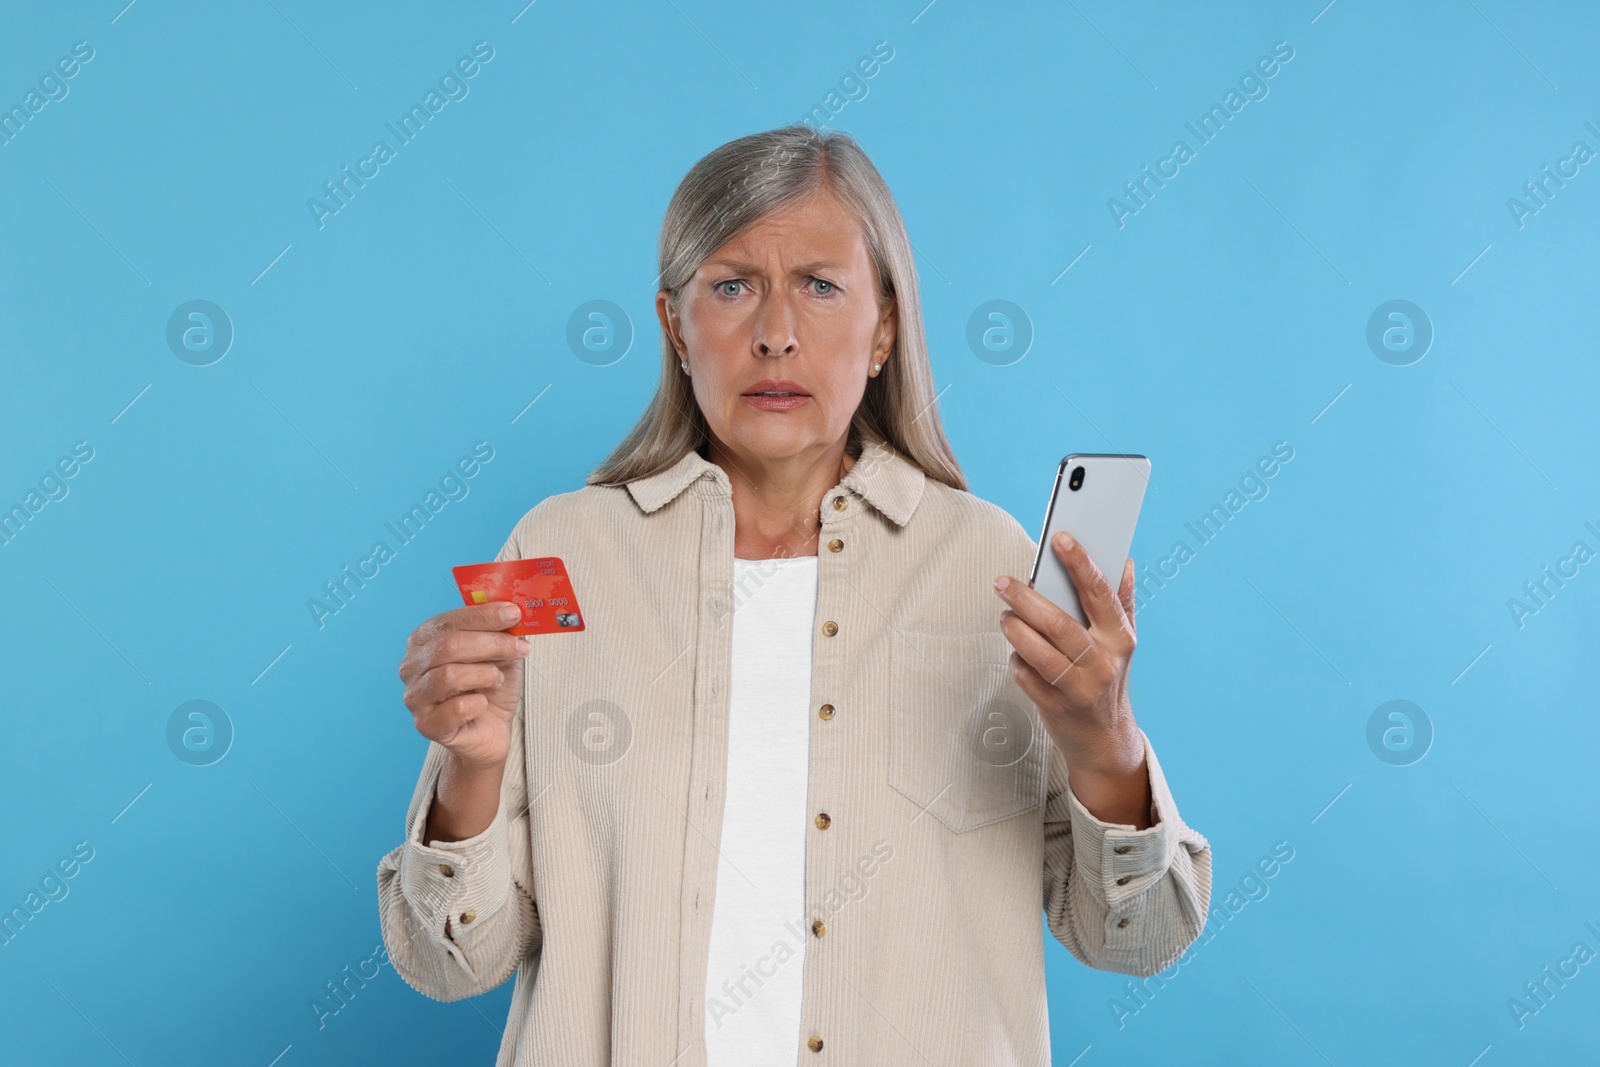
<point x="463" y="677"/>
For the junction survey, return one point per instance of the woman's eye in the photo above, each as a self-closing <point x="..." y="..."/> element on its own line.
<point x="818" y="287"/>
<point x="721" y="288"/>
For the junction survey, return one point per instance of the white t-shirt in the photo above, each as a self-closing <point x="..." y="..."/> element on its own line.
<point x="758" y="921"/>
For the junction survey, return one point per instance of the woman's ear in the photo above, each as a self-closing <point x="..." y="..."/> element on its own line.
<point x="888" y="330"/>
<point x="671" y="322"/>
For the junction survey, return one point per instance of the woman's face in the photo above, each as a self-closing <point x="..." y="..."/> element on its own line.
<point x="789" y="305"/>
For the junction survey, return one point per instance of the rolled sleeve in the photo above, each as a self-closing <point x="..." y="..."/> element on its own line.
<point x="459" y="917"/>
<point x="448" y="880"/>
<point x="1118" y="898"/>
<point x="1116" y="860"/>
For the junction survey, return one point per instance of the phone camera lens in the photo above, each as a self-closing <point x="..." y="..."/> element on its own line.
<point x="1075" y="482"/>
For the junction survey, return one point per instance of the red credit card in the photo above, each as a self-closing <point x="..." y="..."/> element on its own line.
<point x="540" y="587"/>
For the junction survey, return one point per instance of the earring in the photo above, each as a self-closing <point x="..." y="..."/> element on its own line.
<point x="876" y="367"/>
<point x="684" y="365"/>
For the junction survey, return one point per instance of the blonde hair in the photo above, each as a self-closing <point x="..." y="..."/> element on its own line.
<point x="731" y="188"/>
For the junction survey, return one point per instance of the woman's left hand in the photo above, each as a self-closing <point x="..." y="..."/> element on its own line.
<point x="1077" y="676"/>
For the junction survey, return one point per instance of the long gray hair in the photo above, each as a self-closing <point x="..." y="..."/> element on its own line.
<point x="732" y="187"/>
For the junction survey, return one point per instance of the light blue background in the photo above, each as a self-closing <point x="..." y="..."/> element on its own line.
<point x="1227" y="315"/>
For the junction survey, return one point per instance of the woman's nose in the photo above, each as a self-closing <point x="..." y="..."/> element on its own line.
<point x="775" y="325"/>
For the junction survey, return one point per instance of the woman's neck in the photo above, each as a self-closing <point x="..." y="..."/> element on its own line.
<point x="777" y="503"/>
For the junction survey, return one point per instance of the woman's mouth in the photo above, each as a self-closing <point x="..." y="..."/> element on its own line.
<point x="776" y="396"/>
<point x="775" y="401"/>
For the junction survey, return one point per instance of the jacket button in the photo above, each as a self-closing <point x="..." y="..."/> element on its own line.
<point x="830" y="628"/>
<point x="823" y="822"/>
<point x="1121" y="849"/>
<point x="839" y="503"/>
<point x="815" y="1044"/>
<point x="1122" y="921"/>
<point x="826" y="711"/>
<point x="1124" y="879"/>
<point x="447" y="870"/>
<point x="468" y="916"/>
<point x="835" y="545"/>
<point x="818" y="928"/>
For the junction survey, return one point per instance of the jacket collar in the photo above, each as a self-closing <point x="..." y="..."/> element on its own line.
<point x="885" y="479"/>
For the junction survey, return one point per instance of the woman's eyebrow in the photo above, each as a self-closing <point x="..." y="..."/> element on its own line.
<point x="739" y="267"/>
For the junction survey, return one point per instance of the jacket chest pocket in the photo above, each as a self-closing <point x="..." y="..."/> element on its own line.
<point x="965" y="744"/>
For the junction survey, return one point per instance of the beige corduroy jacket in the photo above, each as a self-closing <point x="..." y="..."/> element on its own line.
<point x="941" y="821"/>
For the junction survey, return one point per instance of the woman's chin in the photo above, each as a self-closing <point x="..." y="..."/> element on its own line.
<point x="775" y="437"/>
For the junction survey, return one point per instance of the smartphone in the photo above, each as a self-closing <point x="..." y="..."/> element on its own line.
<point x="1096" y="499"/>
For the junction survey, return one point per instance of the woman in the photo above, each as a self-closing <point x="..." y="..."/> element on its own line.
<point x="790" y="795"/>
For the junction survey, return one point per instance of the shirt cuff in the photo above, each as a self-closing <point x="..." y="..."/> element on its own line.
<point x="1116" y="859"/>
<point x="463" y="881"/>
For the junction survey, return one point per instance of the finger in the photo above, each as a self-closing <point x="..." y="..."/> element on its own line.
<point x="1094" y="592"/>
<point x="442" y="720"/>
<point x="1061" y="630"/>
<point x="445" y="720"/>
<point x="494" y="615"/>
<point x="473" y="646"/>
<point x="449" y="680"/>
<point x="1125" y="594"/>
<point x="1034" y="685"/>
<point x="1038" y="652"/>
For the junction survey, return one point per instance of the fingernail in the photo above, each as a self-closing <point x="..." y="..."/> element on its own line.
<point x="523" y="645"/>
<point x="1000" y="583"/>
<point x="1064" y="541"/>
<point x="510" y="612"/>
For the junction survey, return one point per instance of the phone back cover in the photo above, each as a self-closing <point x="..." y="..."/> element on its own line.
<point x="1101" y="515"/>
